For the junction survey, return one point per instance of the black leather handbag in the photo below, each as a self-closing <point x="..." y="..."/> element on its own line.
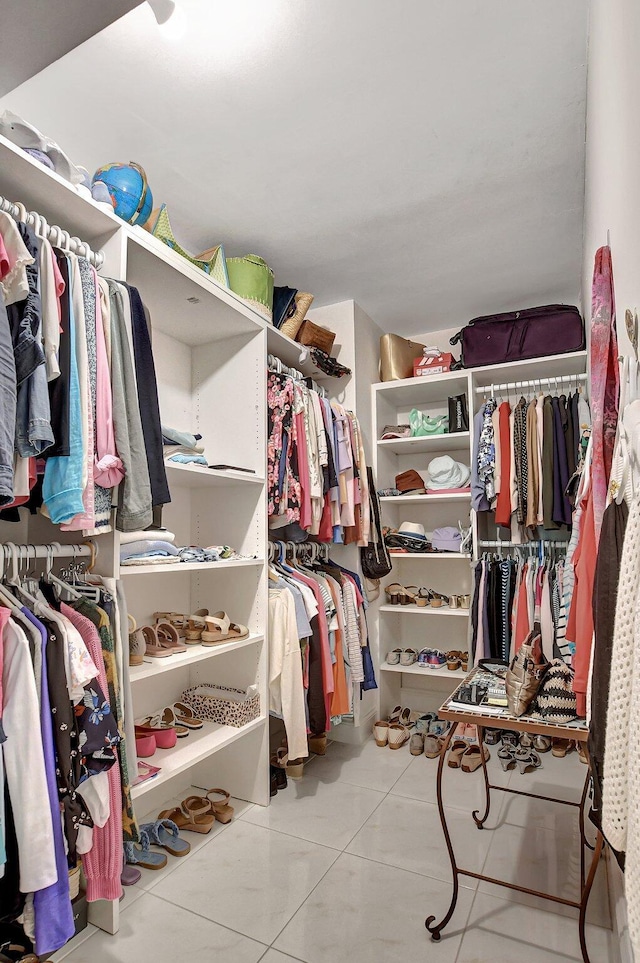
<point x="374" y="559"/>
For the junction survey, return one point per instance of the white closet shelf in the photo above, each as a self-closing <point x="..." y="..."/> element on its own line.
<point x="456" y="441"/>
<point x="413" y="392"/>
<point x="415" y="669"/>
<point x="200" y="744"/>
<point x="549" y="367"/>
<point x="289" y="352"/>
<point x="197" y="476"/>
<point x="195" y="653"/>
<point x="424" y="610"/>
<point x="434" y="556"/>
<point x="179" y="568"/>
<point x="425" y="499"/>
<point x="185" y="303"/>
<point x="22" y="177"/>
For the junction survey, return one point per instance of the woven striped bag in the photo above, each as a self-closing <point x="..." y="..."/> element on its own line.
<point x="556" y="700"/>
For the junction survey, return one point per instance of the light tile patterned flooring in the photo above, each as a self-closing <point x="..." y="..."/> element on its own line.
<point x="345" y="865"/>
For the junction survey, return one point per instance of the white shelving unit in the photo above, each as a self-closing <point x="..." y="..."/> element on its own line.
<point x="392" y="402"/>
<point x="210" y="350"/>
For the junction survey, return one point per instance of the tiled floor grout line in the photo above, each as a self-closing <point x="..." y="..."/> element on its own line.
<point x="340" y="853"/>
<point x="200" y="916"/>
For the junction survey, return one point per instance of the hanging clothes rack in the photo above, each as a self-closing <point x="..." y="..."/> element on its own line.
<point x="275" y="364"/>
<point x="533" y="383"/>
<point x="55" y="550"/>
<point x="55" y="235"/>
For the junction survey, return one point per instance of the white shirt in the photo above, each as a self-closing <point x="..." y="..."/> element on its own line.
<point x="24" y="764"/>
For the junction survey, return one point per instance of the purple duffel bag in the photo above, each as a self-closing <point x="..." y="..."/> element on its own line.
<point x="521" y="335"/>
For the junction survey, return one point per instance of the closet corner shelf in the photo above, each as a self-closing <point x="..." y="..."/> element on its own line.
<point x="179" y="568"/>
<point x="413" y="392"/>
<point x="200" y="744"/>
<point x="434" y="556"/>
<point x="456" y="441"/>
<point x="151" y="668"/>
<point x="424" y="610"/>
<point x="553" y="366"/>
<point x="425" y="499"/>
<point x="289" y="352"/>
<point x="197" y="476"/>
<point x="453" y="674"/>
<point x="52" y="196"/>
<point x="185" y="303"/>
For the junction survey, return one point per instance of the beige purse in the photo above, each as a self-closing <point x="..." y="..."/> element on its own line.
<point x="525" y="674"/>
<point x="397" y="356"/>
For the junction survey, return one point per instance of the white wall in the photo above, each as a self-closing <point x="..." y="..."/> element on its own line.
<point x="612" y="200"/>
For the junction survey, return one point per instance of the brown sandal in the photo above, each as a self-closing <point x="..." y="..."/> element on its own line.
<point x="221" y="808"/>
<point x="193" y="815"/>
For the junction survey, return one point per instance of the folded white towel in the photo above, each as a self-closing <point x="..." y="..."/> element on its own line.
<point x="158" y="533"/>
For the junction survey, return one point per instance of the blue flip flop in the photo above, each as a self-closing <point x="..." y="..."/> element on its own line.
<point x="139" y="854"/>
<point x="165" y="833"/>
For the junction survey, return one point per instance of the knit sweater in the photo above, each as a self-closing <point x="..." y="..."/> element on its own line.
<point x="621" y="779"/>
<point x="103" y="864"/>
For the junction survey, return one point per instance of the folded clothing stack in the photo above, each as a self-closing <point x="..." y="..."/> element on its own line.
<point x="182" y="447"/>
<point x="149" y="547"/>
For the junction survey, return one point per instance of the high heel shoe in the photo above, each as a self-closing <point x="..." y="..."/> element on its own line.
<point x="527" y="759"/>
<point x="506" y="755"/>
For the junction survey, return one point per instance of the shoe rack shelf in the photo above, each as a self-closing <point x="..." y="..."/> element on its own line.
<point x="424" y="610"/>
<point x="197" y="747"/>
<point x="152" y="668"/>
<point x="437" y="675"/>
<point x="391" y="403"/>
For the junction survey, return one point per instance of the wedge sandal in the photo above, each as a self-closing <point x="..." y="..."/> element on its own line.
<point x="381" y="733"/>
<point x="195" y="626"/>
<point x="221" y="808"/>
<point x="220" y="628"/>
<point x="191" y="818"/>
<point x="398" y="735"/>
<point x="165" y="833"/>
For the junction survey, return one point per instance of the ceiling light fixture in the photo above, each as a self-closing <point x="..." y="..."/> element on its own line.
<point x="170" y="18"/>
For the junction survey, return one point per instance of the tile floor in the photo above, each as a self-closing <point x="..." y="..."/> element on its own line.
<point x="345" y="865"/>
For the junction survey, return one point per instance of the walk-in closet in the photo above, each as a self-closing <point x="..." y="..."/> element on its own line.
<point x="319" y="475"/>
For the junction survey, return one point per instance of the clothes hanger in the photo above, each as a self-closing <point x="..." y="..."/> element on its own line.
<point x="53" y="579"/>
<point x="6" y="597"/>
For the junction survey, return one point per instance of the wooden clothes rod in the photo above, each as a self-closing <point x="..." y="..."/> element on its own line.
<point x="533" y="383"/>
<point x="55" y="235"/>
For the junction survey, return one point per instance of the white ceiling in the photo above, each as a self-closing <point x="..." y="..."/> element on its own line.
<point x="424" y="158"/>
<point x="34" y="33"/>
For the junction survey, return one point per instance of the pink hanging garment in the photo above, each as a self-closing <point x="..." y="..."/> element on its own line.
<point x="605" y="381"/>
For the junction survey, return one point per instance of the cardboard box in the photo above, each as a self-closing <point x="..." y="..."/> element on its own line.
<point x="432" y="365"/>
